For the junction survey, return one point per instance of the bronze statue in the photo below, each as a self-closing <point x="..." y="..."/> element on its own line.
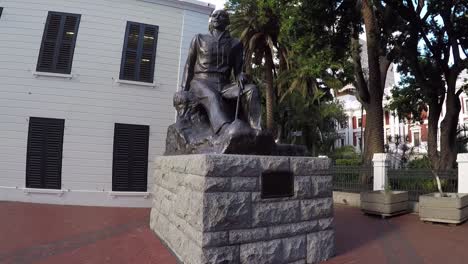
<point x="212" y="59"/>
<point x="217" y="113"/>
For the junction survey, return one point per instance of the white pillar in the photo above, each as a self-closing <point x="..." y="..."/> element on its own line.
<point x="462" y="160"/>
<point x="381" y="163"/>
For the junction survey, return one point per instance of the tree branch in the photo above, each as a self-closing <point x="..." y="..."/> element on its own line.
<point x="384" y="64"/>
<point x="420" y="6"/>
<point x="361" y="84"/>
<point x="448" y="24"/>
<point x="460" y="65"/>
<point x="409" y="14"/>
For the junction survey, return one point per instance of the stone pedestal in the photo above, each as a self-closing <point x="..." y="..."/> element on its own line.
<point x="209" y="209"/>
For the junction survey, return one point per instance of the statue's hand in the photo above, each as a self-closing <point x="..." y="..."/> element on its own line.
<point x="242" y="78"/>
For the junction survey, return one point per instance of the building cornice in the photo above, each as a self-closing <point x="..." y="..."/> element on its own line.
<point x="192" y="5"/>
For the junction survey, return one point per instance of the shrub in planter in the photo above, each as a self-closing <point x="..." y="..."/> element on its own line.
<point x="348" y="162"/>
<point x="384" y="203"/>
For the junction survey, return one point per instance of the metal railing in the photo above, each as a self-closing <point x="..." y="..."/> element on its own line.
<point x="354" y="179"/>
<point x="421" y="181"/>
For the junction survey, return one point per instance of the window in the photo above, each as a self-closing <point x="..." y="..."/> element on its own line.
<point x="58" y="43"/>
<point x="342" y="141"/>
<point x="359" y="122"/>
<point x="139" y="52"/>
<point x="44" y="153"/>
<point x="130" y="165"/>
<point x="1" y="11"/>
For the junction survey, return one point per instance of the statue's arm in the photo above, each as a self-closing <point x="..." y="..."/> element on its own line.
<point x="238" y="61"/>
<point x="189" y="65"/>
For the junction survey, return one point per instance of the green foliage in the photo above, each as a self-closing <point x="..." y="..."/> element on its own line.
<point x="308" y="41"/>
<point x="420" y="163"/>
<point x="348" y="162"/>
<point x="346" y="152"/>
<point x="430" y="47"/>
<point x="408" y="100"/>
<point x="419" y="184"/>
<point x="257" y="25"/>
<point x="314" y="117"/>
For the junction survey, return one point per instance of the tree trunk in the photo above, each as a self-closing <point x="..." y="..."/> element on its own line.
<point x="374" y="134"/>
<point x="433" y="129"/>
<point x="448" y="130"/>
<point x="270" y="93"/>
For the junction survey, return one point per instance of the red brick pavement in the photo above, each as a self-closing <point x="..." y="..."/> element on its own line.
<point x="403" y="240"/>
<point x="34" y="233"/>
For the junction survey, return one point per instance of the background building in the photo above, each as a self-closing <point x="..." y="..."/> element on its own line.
<point x="86" y="92"/>
<point x="415" y="134"/>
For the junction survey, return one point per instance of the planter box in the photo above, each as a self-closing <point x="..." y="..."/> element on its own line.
<point x="452" y="209"/>
<point x="384" y="203"/>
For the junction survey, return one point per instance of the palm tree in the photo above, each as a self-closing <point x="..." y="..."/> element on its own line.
<point x="257" y="27"/>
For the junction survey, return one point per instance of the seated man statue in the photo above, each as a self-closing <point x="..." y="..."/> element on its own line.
<point x="212" y="59"/>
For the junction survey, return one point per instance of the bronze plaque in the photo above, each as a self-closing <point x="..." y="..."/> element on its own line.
<point x="277" y="184"/>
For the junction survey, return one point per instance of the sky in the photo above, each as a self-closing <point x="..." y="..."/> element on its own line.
<point x="219" y="3"/>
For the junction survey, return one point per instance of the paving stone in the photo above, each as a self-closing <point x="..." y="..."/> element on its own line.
<point x="306" y="166"/>
<point x="287" y="230"/>
<point x="247" y="235"/>
<point x="322" y="186"/>
<point x="265" y="214"/>
<point x="262" y="252"/>
<point x="226" y="211"/>
<point x="316" y="208"/>
<point x="325" y="223"/>
<point x="216" y="184"/>
<point x="320" y="246"/>
<point x="244" y="184"/>
<point x="294" y="248"/>
<point x="221" y="255"/>
<point x="215" y="239"/>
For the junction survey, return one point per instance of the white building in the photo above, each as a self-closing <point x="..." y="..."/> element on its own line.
<point x="414" y="134"/>
<point x="86" y="92"/>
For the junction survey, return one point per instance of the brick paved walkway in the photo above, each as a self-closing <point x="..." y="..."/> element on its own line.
<point x="33" y="233"/>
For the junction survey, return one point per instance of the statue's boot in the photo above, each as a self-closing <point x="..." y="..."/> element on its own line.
<point x="235" y="129"/>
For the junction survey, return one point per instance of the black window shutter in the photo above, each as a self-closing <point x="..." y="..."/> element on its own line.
<point x="1" y="11"/>
<point x="139" y="52"/>
<point x="58" y="43"/>
<point x="130" y="164"/>
<point x="44" y="153"/>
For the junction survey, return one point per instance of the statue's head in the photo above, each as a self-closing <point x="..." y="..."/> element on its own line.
<point x="219" y="20"/>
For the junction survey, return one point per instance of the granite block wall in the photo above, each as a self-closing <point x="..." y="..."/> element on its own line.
<point x="209" y="209"/>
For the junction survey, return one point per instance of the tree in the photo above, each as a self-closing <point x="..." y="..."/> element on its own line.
<point x="309" y="42"/>
<point x="257" y="24"/>
<point x="313" y="115"/>
<point x="433" y="36"/>
<point x="315" y="40"/>
<point x="408" y="100"/>
<point x="379" y="28"/>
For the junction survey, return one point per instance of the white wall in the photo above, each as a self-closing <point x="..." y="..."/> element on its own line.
<point x="91" y="102"/>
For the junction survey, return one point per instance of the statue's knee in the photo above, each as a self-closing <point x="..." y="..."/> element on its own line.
<point x="250" y="89"/>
